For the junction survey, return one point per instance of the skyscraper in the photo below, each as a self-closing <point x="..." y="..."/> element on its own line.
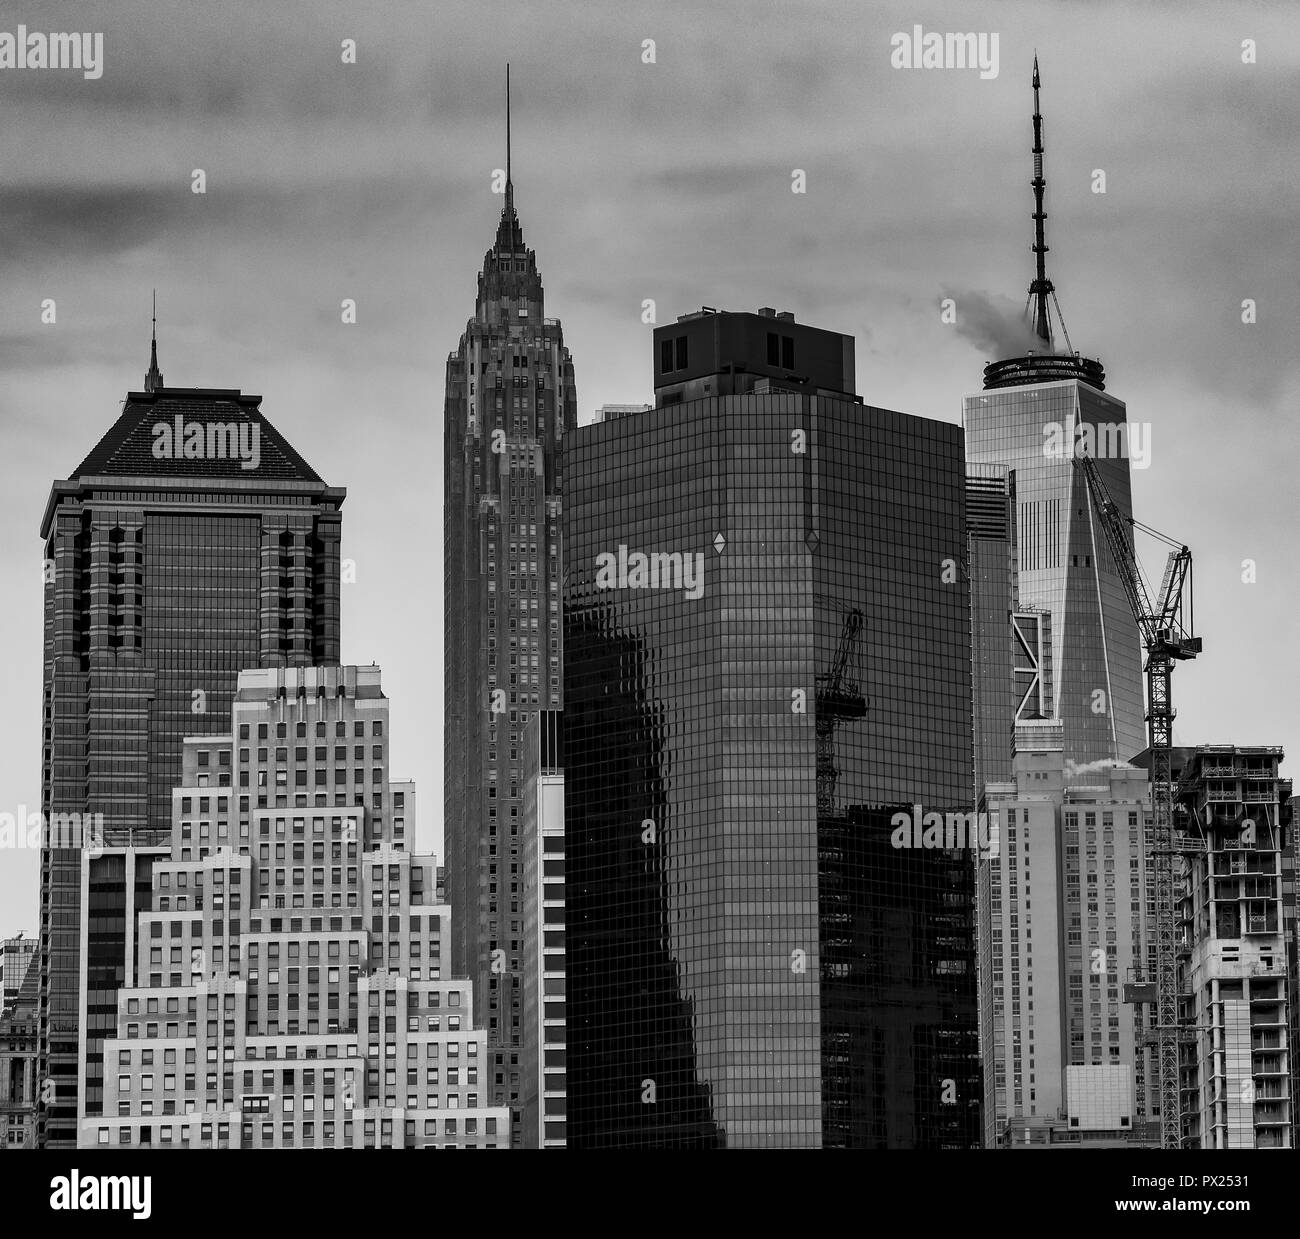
<point x="767" y="639"/>
<point x="1031" y="416"/>
<point x="303" y="951"/>
<point x="191" y="542"/>
<point x="510" y="401"/>
<point x="1078" y="712"/>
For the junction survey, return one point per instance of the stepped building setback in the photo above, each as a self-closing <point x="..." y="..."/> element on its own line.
<point x="288" y="979"/>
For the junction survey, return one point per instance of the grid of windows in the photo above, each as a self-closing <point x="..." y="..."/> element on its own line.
<point x="154" y="606"/>
<point x="510" y="402"/>
<point x="1064" y="565"/>
<point x="714" y="996"/>
<point x="292" y="973"/>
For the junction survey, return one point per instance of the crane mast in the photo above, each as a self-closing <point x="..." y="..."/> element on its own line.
<point x="1167" y="640"/>
<point x="837" y="698"/>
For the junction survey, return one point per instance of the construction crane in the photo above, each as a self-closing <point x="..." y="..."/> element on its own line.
<point x="1168" y="640"/>
<point x="837" y="698"/>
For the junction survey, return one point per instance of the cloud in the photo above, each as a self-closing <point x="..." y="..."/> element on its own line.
<point x="994" y="324"/>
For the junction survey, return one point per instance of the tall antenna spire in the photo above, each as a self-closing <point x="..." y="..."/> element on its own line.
<point x="1041" y="288"/>
<point x="153" y="380"/>
<point x="510" y="189"/>
<point x="1048" y="364"/>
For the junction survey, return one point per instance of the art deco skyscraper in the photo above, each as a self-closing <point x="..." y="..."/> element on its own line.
<point x="510" y="401"/>
<point x="193" y="541"/>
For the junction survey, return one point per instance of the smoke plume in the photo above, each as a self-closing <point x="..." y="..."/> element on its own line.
<point x="996" y="325"/>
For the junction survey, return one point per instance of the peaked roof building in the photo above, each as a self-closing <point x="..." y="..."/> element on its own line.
<point x="190" y="543"/>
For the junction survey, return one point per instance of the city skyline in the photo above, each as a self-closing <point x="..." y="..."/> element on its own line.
<point x="223" y="338"/>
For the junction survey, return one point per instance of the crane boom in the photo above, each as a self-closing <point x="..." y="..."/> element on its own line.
<point x="1167" y="640"/>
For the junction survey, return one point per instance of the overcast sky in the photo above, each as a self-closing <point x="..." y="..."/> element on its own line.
<point x="668" y="181"/>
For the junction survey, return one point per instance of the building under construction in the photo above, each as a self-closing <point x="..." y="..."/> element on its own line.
<point x="1236" y="949"/>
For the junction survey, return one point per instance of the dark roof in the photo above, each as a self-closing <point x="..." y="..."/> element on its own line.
<point x="127" y="449"/>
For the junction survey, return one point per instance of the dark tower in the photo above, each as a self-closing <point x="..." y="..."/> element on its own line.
<point x="1050" y="364"/>
<point x="509" y="403"/>
<point x="750" y="961"/>
<point x="167" y="574"/>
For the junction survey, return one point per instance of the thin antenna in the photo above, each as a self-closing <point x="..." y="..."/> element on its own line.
<point x="153" y="380"/>
<point x="1041" y="288"/>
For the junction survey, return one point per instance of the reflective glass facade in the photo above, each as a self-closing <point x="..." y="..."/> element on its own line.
<point x="1064" y="564"/>
<point x="744" y="969"/>
<point x="165" y="576"/>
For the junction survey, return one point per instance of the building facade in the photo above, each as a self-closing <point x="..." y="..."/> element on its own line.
<point x="1064" y="567"/>
<point x="1239" y="990"/>
<point x="991" y="565"/>
<point x="767" y="637"/>
<point x="16" y="955"/>
<point x="542" y="1053"/>
<point x="288" y="984"/>
<point x="1062" y="910"/>
<point x="19" y="1083"/>
<point x="510" y="402"/>
<point x="191" y="542"/>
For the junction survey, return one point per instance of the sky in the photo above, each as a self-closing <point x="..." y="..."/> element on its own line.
<point x="661" y="175"/>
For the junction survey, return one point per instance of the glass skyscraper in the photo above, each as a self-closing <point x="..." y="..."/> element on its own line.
<point x="510" y="401"/>
<point x="174" y="558"/>
<point x="767" y="644"/>
<point x="1064" y="565"/>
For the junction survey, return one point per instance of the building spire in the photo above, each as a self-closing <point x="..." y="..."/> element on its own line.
<point x="510" y="239"/>
<point x="1041" y="288"/>
<point x="510" y="188"/>
<point x="154" y="379"/>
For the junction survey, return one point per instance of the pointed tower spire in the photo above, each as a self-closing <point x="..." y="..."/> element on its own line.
<point x="509" y="235"/>
<point x="154" y="379"/>
<point x="1041" y="288"/>
<point x="1047" y="362"/>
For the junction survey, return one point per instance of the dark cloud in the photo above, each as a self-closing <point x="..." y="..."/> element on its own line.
<point x="668" y="181"/>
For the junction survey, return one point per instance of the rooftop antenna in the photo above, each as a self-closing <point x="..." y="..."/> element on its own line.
<point x="1042" y="287"/>
<point x="510" y="189"/>
<point x="153" y="380"/>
